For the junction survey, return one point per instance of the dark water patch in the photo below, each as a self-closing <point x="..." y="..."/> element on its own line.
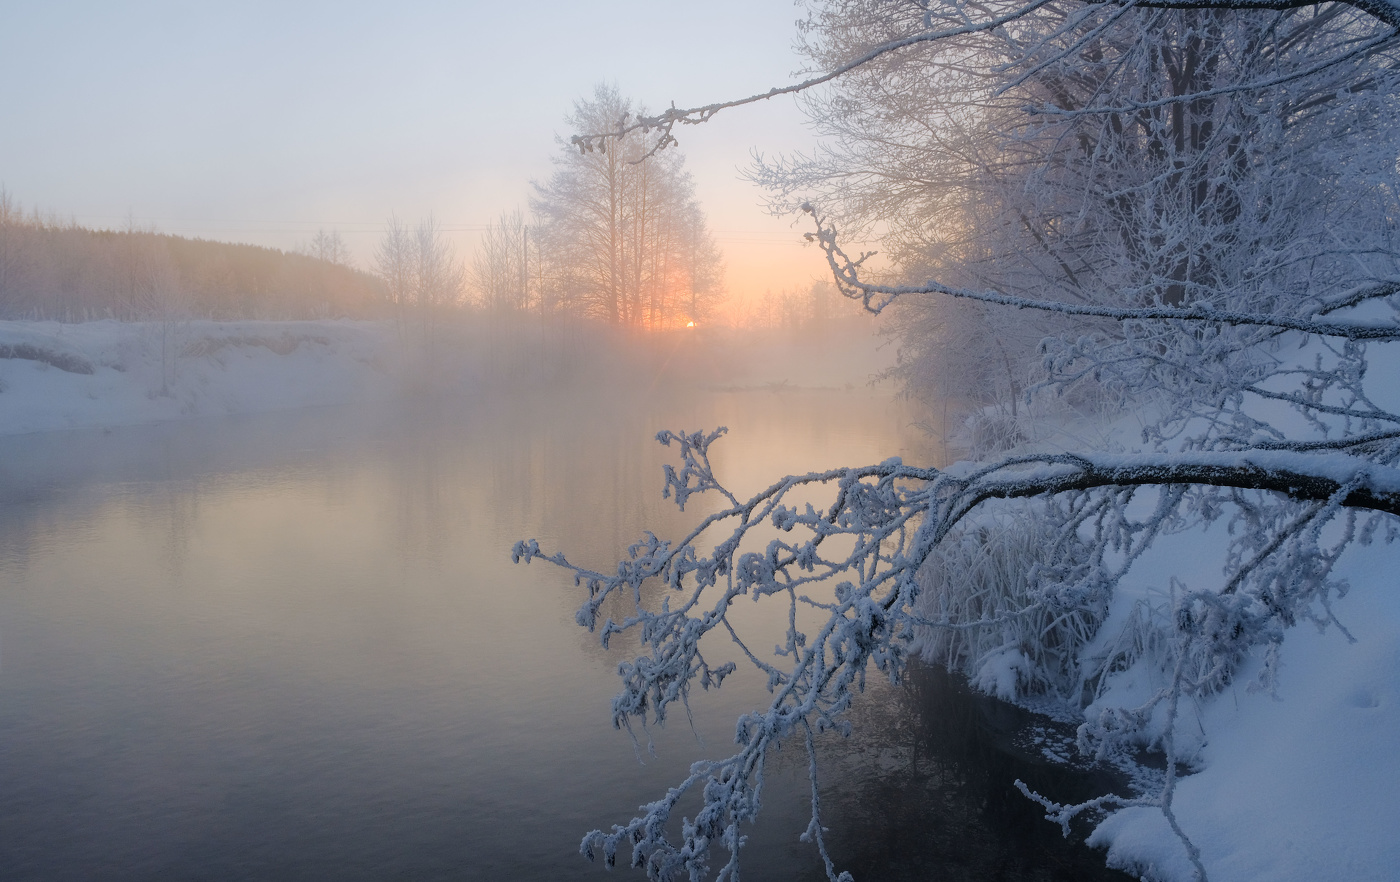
<point x="925" y="789"/>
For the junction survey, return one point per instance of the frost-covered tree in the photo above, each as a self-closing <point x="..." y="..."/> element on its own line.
<point x="393" y="263"/>
<point x="1178" y="187"/>
<point x="1196" y="201"/>
<point x="500" y="271"/>
<point x="626" y="240"/>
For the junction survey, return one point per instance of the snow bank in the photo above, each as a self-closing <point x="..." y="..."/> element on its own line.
<point x="63" y="376"/>
<point x="1296" y="786"/>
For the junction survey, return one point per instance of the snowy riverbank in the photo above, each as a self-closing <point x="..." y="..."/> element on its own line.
<point x="1287" y="776"/>
<point x="1294" y="786"/>
<point x="100" y="374"/>
<point x="108" y="373"/>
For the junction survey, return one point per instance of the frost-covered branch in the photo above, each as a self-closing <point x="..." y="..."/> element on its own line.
<point x="663" y="124"/>
<point x="951" y="22"/>
<point x="1380" y="10"/>
<point x="891" y="517"/>
<point x="1189" y="205"/>
<point x="876" y="297"/>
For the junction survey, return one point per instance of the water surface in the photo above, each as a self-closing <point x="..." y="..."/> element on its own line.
<point x="293" y="647"/>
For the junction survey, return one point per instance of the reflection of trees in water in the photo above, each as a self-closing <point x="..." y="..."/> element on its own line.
<point x="923" y="789"/>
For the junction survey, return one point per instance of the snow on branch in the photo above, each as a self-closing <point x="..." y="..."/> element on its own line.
<point x="1250" y="376"/>
<point x="666" y="121"/>
<point x="959" y="22"/>
<point x="875" y="297"/>
<point x="1381" y="10"/>
<point x="891" y="517"/>
<point x="1362" y="50"/>
<point x="1352" y="481"/>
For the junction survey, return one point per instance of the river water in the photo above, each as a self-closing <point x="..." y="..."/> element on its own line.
<point x="294" y="647"/>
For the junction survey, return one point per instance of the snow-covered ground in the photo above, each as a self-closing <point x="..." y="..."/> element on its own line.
<point x="108" y="373"/>
<point x="1296" y="786"/>
<point x="1293" y="784"/>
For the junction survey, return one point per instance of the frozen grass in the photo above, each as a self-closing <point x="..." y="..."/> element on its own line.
<point x="998" y="628"/>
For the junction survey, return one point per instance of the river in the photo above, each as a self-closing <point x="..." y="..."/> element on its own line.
<point x="294" y="647"/>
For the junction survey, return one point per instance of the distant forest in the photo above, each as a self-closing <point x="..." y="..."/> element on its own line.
<point x="58" y="270"/>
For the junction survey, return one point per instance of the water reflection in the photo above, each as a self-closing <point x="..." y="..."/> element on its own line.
<point x="293" y="647"/>
<point x="927" y="782"/>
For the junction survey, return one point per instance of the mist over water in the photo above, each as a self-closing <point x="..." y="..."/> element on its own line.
<point x="293" y="646"/>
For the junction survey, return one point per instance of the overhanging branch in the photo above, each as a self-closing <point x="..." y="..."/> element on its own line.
<point x="1299" y="476"/>
<point x="664" y="123"/>
<point x="876" y="297"/>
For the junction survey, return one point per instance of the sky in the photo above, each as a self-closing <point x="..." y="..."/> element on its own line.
<point x="264" y="122"/>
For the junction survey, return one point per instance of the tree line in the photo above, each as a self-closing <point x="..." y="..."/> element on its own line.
<point x="58" y="270"/>
<point x="609" y="239"/>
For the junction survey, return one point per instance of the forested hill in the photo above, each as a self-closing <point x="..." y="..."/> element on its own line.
<point x="66" y="272"/>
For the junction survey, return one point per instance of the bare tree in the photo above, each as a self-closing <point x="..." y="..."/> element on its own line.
<point x="13" y="260"/>
<point x="393" y="263"/>
<point x="438" y="286"/>
<point x="626" y="238"/>
<point x="329" y="247"/>
<point x="142" y="270"/>
<point x="438" y="276"/>
<point x="500" y="270"/>
<point x="330" y="252"/>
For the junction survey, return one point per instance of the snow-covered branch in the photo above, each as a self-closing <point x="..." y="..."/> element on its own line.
<point x="1380" y="10"/>
<point x="876" y="297"/>
<point x="663" y="124"/>
<point x="945" y="24"/>
<point x="892" y="516"/>
<point x="1350" y="481"/>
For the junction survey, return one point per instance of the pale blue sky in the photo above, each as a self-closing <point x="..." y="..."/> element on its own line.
<point x="261" y="122"/>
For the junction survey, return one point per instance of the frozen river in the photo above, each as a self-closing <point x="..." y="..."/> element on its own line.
<point x="294" y="647"/>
